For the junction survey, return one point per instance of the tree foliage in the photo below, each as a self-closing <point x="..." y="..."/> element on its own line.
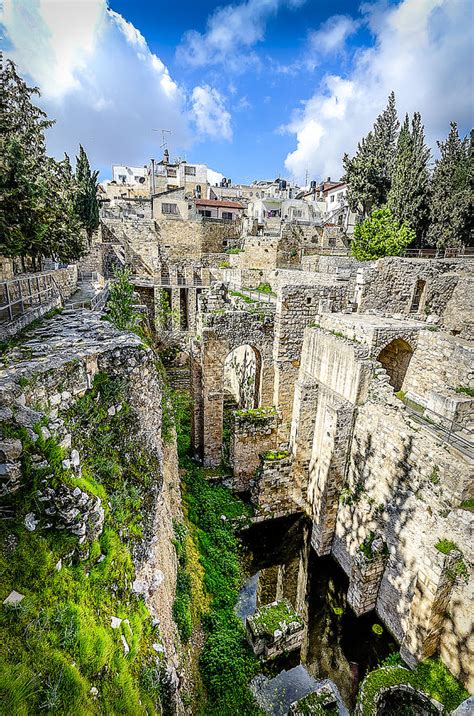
<point x="408" y="198"/>
<point x="39" y="206"/>
<point x="369" y="172"/>
<point x="380" y="235"/>
<point x="121" y="309"/>
<point x="87" y="207"/>
<point x="451" y="207"/>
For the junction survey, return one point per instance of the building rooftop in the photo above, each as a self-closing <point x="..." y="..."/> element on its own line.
<point x="217" y="202"/>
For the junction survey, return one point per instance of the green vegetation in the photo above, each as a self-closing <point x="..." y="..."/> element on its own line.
<point x="264" y="287"/>
<point x="257" y="415"/>
<point x="465" y="390"/>
<point x="467" y="505"/>
<point x="314" y="705"/>
<point x="58" y="643"/>
<point x="224" y="265"/>
<point x="234" y="250"/>
<point x="86" y="205"/>
<point x="271" y="616"/>
<point x="381" y="234"/>
<point x="226" y="662"/>
<point x="275" y="454"/>
<point x="377" y="629"/>
<point x="445" y="546"/>
<point x="366" y="546"/>
<point x="120" y="305"/>
<point x="430" y="676"/>
<point x="434" y="475"/>
<point x="40" y="214"/>
<point x="242" y="296"/>
<point x="182" y="602"/>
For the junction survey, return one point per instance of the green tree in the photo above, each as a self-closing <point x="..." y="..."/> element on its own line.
<point x="408" y="198"/>
<point x="369" y="172"/>
<point x="37" y="214"/>
<point x="381" y="234"/>
<point x="451" y="206"/>
<point x="120" y="305"/>
<point x="87" y="206"/>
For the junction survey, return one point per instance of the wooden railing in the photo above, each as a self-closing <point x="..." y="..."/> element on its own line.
<point x="19" y="295"/>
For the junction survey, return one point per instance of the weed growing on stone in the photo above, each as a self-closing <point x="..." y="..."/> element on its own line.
<point x="59" y="652"/>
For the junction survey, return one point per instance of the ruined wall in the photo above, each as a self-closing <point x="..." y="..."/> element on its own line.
<point x="388" y="285"/>
<point x="46" y="374"/>
<point x="440" y="361"/>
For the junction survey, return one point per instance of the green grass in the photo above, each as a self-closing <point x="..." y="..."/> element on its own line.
<point x="465" y="390"/>
<point x="467" y="505"/>
<point x="269" y="617"/>
<point x="445" y="546"/>
<point x="430" y="676"/>
<point x="275" y="455"/>
<point x="58" y="642"/>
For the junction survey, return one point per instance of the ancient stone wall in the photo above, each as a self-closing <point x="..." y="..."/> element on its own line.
<point x="46" y="374"/>
<point x="254" y="431"/>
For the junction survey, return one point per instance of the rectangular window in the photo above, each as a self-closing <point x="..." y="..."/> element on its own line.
<point x="205" y="212"/>
<point x="297" y="213"/>
<point x="331" y="198"/>
<point x="171" y="172"/>
<point x="169" y="208"/>
<point x="332" y="241"/>
<point x="227" y="215"/>
<point x="190" y="171"/>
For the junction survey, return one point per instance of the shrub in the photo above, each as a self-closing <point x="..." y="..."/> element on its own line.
<point x="381" y="234"/>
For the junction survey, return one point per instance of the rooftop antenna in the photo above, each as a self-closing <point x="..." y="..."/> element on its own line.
<point x="306" y="177"/>
<point x="164" y="142"/>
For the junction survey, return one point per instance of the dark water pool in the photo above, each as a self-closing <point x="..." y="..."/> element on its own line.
<point x="279" y="562"/>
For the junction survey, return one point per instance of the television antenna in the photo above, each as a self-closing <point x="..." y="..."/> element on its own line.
<point x="164" y="142"/>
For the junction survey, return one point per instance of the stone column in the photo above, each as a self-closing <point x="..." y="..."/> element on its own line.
<point x="430" y="601"/>
<point x="327" y="468"/>
<point x="176" y="307"/>
<point x="302" y="431"/>
<point x="366" y="576"/>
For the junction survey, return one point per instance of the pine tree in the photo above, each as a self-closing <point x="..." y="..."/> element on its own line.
<point x="22" y="155"/>
<point x="451" y="206"/>
<point x="87" y="206"/>
<point x="37" y="213"/>
<point x="409" y="193"/>
<point x="369" y="172"/>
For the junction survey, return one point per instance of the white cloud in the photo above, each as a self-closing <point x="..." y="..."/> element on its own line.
<point x="422" y="50"/>
<point x="210" y="115"/>
<point x="231" y="31"/>
<point x="332" y="35"/>
<point x="98" y="79"/>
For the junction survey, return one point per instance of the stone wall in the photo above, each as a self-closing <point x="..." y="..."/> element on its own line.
<point x="46" y="374"/>
<point x="253" y="432"/>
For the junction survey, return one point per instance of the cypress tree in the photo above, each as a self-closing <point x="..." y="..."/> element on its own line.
<point x="369" y="172"/>
<point x="87" y="206"/>
<point x="451" y="206"/>
<point x="409" y="193"/>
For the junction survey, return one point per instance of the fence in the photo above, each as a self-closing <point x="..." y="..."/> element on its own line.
<point x="253" y="294"/>
<point x="22" y="294"/>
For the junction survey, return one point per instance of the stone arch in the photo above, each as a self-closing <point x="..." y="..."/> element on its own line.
<point x="243" y="374"/>
<point x="395" y="358"/>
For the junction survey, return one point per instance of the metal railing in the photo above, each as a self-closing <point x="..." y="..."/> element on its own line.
<point x="22" y="294"/>
<point x="450" y="431"/>
<point x="450" y="253"/>
<point x="253" y="294"/>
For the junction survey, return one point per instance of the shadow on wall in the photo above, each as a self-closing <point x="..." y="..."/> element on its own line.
<point x="395" y="358"/>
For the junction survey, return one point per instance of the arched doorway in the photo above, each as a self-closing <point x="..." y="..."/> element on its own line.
<point x="395" y="358"/>
<point x="242" y="375"/>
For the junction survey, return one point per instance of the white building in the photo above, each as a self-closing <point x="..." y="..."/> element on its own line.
<point x="129" y="176"/>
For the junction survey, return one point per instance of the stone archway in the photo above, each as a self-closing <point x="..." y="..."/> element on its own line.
<point x="395" y="358"/>
<point x="242" y="375"/>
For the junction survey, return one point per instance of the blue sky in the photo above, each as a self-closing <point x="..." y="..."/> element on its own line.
<point x="253" y="88"/>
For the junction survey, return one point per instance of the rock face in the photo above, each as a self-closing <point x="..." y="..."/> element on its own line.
<point x="46" y="375"/>
<point x="73" y="510"/>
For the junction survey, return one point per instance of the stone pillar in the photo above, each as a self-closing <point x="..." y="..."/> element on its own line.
<point x="302" y="431"/>
<point x="366" y="575"/>
<point x="272" y="490"/>
<point x="176" y="307"/>
<point x="191" y="298"/>
<point x="430" y="601"/>
<point x="254" y="432"/>
<point x="212" y="398"/>
<point x="197" y="427"/>
<point x="327" y="468"/>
